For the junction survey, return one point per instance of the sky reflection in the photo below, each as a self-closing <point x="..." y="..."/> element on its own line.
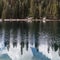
<point x="17" y="39"/>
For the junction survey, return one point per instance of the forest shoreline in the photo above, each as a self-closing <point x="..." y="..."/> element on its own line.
<point x="26" y="20"/>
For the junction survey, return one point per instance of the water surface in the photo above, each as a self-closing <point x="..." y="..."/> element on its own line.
<point x="16" y="38"/>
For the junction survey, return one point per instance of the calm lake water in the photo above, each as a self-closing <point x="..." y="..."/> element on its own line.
<point x="17" y="38"/>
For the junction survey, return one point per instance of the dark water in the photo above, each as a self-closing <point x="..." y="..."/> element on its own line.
<point x="16" y="38"/>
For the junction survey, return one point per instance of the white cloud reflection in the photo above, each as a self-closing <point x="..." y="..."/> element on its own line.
<point x="15" y="53"/>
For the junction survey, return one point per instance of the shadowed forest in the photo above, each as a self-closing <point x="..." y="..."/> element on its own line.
<point x="29" y="8"/>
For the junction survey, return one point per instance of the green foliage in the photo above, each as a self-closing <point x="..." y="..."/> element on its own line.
<point x="1" y="7"/>
<point x="30" y="8"/>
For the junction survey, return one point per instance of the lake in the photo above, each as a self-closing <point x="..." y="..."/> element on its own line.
<point x="17" y="38"/>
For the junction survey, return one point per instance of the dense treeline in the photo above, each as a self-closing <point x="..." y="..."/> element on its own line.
<point x="30" y="8"/>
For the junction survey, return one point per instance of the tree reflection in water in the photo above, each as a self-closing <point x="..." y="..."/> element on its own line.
<point x="32" y="33"/>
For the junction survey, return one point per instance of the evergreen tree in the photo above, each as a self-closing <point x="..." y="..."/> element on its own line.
<point x="33" y="8"/>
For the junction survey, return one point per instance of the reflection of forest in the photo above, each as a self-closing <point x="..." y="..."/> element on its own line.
<point x="38" y="29"/>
